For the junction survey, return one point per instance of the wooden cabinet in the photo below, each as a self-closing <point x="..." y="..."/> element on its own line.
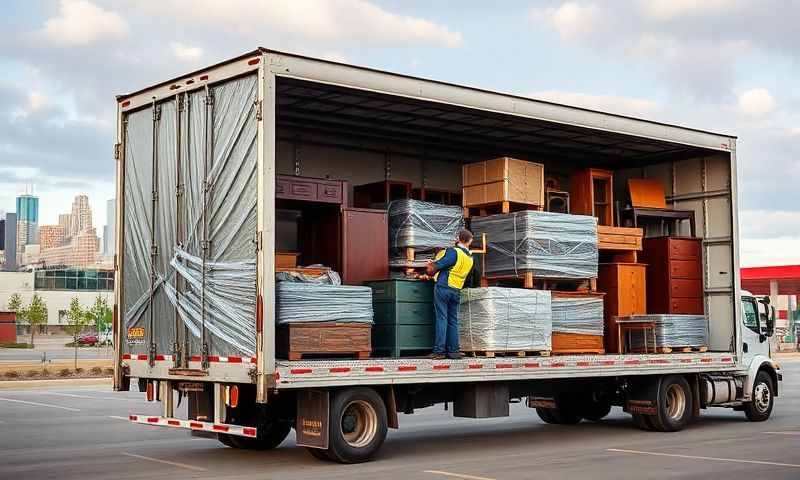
<point x="625" y="287"/>
<point x="404" y="317"/>
<point x="503" y="179"/>
<point x="592" y="193"/>
<point x="296" y="341"/>
<point x="674" y="275"/>
<point x="380" y="193"/>
<point x="444" y="197"/>
<point x="352" y="241"/>
<point x="307" y="189"/>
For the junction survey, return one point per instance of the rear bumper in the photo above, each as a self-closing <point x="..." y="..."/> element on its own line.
<point x="195" y="425"/>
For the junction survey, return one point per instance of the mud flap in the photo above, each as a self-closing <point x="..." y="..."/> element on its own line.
<point x="642" y="397"/>
<point x="313" y="414"/>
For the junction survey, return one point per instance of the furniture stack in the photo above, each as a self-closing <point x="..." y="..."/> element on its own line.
<point x="502" y="185"/>
<point x="673" y="333"/>
<point x="417" y="229"/>
<point x="578" y="323"/>
<point x="404" y="317"/>
<point x="674" y="275"/>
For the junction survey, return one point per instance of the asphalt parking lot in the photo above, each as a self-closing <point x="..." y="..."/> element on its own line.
<point x="82" y="433"/>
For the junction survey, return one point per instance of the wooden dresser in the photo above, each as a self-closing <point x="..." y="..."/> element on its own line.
<point x="624" y="286"/>
<point x="674" y="275"/>
<point x="404" y="317"/>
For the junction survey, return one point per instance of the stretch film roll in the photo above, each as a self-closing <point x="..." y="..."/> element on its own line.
<point x="500" y="319"/>
<point x="552" y="245"/>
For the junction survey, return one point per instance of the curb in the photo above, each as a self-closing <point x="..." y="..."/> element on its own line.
<point x="54" y="383"/>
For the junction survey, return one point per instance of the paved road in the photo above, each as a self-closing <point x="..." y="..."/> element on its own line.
<point x="53" y="348"/>
<point x="81" y="433"/>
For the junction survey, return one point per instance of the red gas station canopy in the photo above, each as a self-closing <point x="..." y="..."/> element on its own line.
<point x="757" y="279"/>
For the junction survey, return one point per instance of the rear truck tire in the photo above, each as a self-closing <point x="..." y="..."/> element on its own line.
<point x="763" y="398"/>
<point x="595" y="411"/>
<point x="357" y="425"/>
<point x="318" y="453"/>
<point x="674" y="405"/>
<point x="270" y="435"/>
<point x="642" y="422"/>
<point x="565" y="413"/>
<point x="546" y="415"/>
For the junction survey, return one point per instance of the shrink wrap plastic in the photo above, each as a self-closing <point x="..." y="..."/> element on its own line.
<point x="582" y="315"/>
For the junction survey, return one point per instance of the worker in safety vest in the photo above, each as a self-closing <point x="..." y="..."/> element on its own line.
<point x="450" y="269"/>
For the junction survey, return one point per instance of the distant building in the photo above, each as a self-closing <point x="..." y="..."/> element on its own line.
<point x="10" y="263"/>
<point x="65" y="221"/>
<point x="51" y="236"/>
<point x="109" y="232"/>
<point x="57" y="287"/>
<point x="80" y="252"/>
<point x="81" y="217"/>
<point x="27" y="222"/>
<point x="31" y="254"/>
<point x="3" y="233"/>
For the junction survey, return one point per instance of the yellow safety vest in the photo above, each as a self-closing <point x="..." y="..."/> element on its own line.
<point x="457" y="273"/>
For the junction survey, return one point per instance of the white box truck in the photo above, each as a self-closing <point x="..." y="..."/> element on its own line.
<point x="194" y="315"/>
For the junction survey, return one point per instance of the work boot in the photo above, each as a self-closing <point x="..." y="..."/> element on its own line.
<point x="455" y="356"/>
<point x="436" y="356"/>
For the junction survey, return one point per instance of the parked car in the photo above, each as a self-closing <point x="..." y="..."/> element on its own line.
<point x="88" y="339"/>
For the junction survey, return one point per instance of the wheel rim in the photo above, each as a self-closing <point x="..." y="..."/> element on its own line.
<point x="676" y="402"/>
<point x="761" y="397"/>
<point x="359" y="423"/>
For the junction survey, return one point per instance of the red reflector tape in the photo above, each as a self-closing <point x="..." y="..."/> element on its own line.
<point x="249" y="431"/>
<point x="406" y="368"/>
<point x="174" y="87"/>
<point x="189" y="82"/>
<point x="298" y="371"/>
<point x="234" y="359"/>
<point x="726" y="359"/>
<point x="195" y="425"/>
<point x="706" y="360"/>
<point x="607" y="362"/>
<point x="532" y="365"/>
<point x="203" y="77"/>
<point x="220" y="428"/>
<point x="133" y="418"/>
<point x="126" y="356"/>
<point x="126" y="103"/>
<point x="558" y="364"/>
<point x="475" y="365"/>
<point x="631" y="362"/>
<point x="441" y="367"/>
<point x="152" y="420"/>
<point x="339" y="369"/>
<point x="373" y="369"/>
<point x="253" y="360"/>
<point x="503" y="365"/>
<point x="174" y="423"/>
<point x="658" y="360"/>
<point x="253" y="61"/>
<point x="582" y="364"/>
<point x="160" y="358"/>
<point x="686" y="360"/>
<point x="213" y="358"/>
<point x="195" y="358"/>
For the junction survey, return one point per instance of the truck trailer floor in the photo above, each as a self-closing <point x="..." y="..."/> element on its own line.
<point x="83" y="433"/>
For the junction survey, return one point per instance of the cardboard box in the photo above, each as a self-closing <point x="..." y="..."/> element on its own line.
<point x="503" y="179"/>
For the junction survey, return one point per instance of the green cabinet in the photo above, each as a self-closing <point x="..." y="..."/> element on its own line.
<point x="404" y="317"/>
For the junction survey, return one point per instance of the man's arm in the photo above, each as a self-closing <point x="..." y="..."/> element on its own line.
<point x="448" y="260"/>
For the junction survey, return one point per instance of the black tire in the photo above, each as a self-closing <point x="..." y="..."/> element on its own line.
<point x="595" y="411"/>
<point x="357" y="425"/>
<point x="546" y="415"/>
<point x="763" y="398"/>
<point x="643" y="422"/>
<point x="268" y="438"/>
<point x="674" y="405"/>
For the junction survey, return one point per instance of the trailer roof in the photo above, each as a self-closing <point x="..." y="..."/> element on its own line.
<point x="326" y="97"/>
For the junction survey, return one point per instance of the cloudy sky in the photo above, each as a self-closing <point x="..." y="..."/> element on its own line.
<point x="721" y="65"/>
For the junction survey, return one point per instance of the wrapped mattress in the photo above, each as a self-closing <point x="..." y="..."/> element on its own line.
<point x="500" y="319"/>
<point x="424" y="226"/>
<point x="673" y="331"/>
<point x="317" y="302"/>
<point x="552" y="245"/>
<point x="577" y="314"/>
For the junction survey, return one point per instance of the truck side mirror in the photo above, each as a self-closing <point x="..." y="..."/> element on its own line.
<point x="769" y="318"/>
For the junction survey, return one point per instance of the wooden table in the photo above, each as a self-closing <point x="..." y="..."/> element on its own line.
<point x="662" y="215"/>
<point x="629" y="324"/>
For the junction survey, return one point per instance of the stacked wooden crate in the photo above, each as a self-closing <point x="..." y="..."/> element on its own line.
<point x="404" y="317"/>
<point x="502" y="185"/>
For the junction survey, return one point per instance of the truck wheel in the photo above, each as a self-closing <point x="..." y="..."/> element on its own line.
<point x="763" y="398"/>
<point x="595" y="411"/>
<point x="546" y="414"/>
<point x="674" y="405"/>
<point x="358" y="425"/>
<point x="268" y="438"/>
<point x="643" y="422"/>
<point x="318" y="453"/>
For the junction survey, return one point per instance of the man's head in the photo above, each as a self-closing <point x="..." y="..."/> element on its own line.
<point x="465" y="237"/>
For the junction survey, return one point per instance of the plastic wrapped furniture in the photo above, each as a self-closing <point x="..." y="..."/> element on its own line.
<point x="423" y="227"/>
<point x="317" y="302"/>
<point x="674" y="332"/>
<point x="497" y="319"/>
<point x="551" y="245"/>
<point x="577" y="323"/>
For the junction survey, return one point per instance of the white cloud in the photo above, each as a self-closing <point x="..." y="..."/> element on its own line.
<point x="571" y="20"/>
<point x="186" y="53"/>
<point x="80" y="22"/>
<point x="756" y="102"/>
<point x="761" y="252"/>
<point x="670" y="9"/>
<point x="605" y="103"/>
<point x="319" y="20"/>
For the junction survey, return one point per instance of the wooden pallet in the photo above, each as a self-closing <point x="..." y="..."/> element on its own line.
<point x="700" y="349"/>
<point x="507" y="353"/>
<point x="324" y="339"/>
<point x="498" y="207"/>
<point x="528" y="280"/>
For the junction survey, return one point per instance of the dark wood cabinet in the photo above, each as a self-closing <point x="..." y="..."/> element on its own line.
<point x="380" y="193"/>
<point x="674" y="275"/>
<point x="591" y="193"/>
<point x="307" y="189"/>
<point x="444" y="197"/>
<point x="352" y="241"/>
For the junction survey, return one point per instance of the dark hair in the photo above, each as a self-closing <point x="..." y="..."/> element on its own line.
<point x="464" y="236"/>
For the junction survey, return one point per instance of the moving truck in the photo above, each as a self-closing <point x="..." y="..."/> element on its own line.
<point x="194" y="314"/>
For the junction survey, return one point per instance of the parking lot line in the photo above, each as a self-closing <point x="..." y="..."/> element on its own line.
<point x="37" y="404"/>
<point x="782" y="433"/>
<point x="73" y="395"/>
<point x="167" y="462"/>
<point x="457" y="475"/>
<point x="695" y="457"/>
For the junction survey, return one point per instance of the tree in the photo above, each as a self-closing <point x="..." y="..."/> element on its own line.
<point x="15" y="303"/>
<point x="35" y="314"/>
<point x="77" y="319"/>
<point x="100" y="314"/>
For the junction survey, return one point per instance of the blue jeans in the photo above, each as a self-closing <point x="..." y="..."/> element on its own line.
<point x="445" y="301"/>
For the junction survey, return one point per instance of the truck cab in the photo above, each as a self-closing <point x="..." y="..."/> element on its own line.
<point x="758" y="317"/>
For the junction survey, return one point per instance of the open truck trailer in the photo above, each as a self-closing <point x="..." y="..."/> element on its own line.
<point x="197" y="159"/>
